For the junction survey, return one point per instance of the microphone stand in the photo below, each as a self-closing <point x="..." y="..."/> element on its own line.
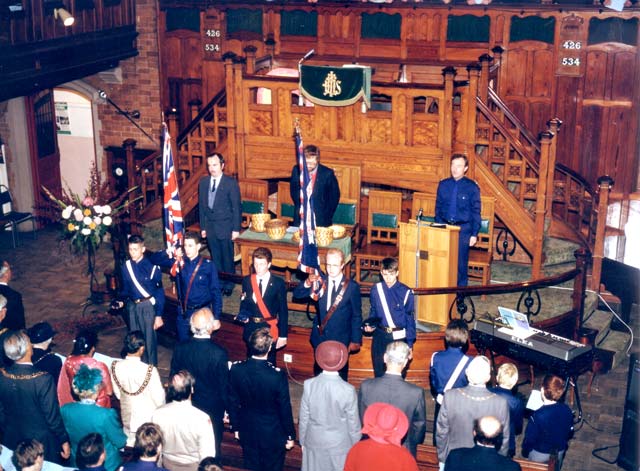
<point x="418" y="221"/>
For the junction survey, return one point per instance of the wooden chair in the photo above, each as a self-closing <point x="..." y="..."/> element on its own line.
<point x="348" y="212"/>
<point x="481" y="254"/>
<point x="284" y="207"/>
<point x="383" y="218"/>
<point x="255" y="198"/>
<point x="427" y="203"/>
<point x="12" y="219"/>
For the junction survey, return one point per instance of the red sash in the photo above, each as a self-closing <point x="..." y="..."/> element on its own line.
<point x="268" y="318"/>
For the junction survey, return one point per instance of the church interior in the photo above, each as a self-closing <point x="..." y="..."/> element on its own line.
<point x="541" y="96"/>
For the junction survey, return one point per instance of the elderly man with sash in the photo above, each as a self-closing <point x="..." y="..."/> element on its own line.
<point x="264" y="302"/>
<point x="199" y="286"/>
<point x="391" y="315"/>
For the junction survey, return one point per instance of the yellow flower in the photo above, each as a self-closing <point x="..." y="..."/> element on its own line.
<point x="86" y="212"/>
<point x="92" y="225"/>
<point x="71" y="227"/>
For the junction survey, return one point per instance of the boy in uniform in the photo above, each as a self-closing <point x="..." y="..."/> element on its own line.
<point x="142" y="290"/>
<point x="391" y="315"/>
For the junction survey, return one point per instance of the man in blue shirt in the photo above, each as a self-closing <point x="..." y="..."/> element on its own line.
<point x="142" y="290"/>
<point x="458" y="204"/>
<point x="199" y="284"/>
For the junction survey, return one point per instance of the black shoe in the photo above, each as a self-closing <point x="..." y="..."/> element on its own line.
<point x="227" y="291"/>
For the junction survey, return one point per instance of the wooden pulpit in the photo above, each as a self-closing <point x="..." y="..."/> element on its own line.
<point x="436" y="252"/>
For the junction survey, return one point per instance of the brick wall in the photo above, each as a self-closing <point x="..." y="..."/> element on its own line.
<point x="140" y="88"/>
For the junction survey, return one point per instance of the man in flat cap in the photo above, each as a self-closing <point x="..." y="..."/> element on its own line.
<point x="41" y="336"/>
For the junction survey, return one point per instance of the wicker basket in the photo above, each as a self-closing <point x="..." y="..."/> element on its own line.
<point x="295" y="237"/>
<point x="258" y="220"/>
<point x="324" y="236"/>
<point x="338" y="231"/>
<point x="276" y="228"/>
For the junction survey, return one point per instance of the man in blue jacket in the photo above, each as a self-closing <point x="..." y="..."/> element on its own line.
<point x="339" y="309"/>
<point x="458" y="204"/>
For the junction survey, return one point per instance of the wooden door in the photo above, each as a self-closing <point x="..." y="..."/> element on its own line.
<point x="43" y="143"/>
<point x="608" y="131"/>
<point x="526" y="82"/>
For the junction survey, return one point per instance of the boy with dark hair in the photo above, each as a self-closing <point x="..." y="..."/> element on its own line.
<point x="142" y="290"/>
<point x="264" y="302"/>
<point x="28" y="456"/>
<point x="147" y="449"/>
<point x="391" y="315"/>
<point x="90" y="454"/>
<point x="448" y="366"/>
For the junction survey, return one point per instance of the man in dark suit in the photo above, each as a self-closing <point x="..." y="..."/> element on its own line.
<point x="264" y="302"/>
<point x="29" y="403"/>
<point x="260" y="407"/>
<point x="14" y="320"/>
<point x="220" y="210"/>
<point x="325" y="193"/>
<point x="339" y="314"/>
<point x="208" y="363"/>
<point x="392" y="389"/>
<point x="484" y="456"/>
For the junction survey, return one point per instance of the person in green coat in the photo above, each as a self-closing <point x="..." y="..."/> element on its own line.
<point x="85" y="417"/>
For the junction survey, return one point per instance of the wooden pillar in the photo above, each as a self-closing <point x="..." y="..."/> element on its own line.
<point x="469" y="110"/>
<point x="250" y="52"/>
<point x="241" y="119"/>
<point x="605" y="183"/>
<point x="231" y="103"/>
<point x="579" y="284"/>
<point x="483" y="84"/>
<point x="132" y="177"/>
<point x="541" y="204"/>
<point x="497" y="64"/>
<point x="447" y="123"/>
<point x="554" y="128"/>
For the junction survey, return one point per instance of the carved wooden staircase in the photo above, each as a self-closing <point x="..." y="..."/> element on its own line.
<point x="206" y="133"/>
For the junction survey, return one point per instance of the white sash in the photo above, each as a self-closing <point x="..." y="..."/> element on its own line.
<point x="453" y="378"/>
<point x="141" y="290"/>
<point x="399" y="334"/>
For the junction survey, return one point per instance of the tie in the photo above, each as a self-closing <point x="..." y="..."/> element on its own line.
<point x="212" y="193"/>
<point x="260" y="286"/>
<point x="334" y="291"/>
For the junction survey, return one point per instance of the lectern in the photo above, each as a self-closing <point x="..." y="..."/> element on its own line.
<point x="435" y="250"/>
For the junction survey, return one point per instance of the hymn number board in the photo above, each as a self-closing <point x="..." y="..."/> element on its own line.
<point x="212" y="38"/>
<point x="571" y="46"/>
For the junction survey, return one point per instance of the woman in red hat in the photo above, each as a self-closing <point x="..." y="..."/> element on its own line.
<point x="385" y="425"/>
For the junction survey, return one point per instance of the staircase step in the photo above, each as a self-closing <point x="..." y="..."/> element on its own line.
<point x="600" y="321"/>
<point x="558" y="251"/>
<point x="616" y="342"/>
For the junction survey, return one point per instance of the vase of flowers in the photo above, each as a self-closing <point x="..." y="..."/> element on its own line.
<point x="85" y="221"/>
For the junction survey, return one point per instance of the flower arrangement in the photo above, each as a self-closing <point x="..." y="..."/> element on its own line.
<point x="86" y="220"/>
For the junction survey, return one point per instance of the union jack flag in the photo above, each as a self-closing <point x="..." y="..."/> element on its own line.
<point x="173" y="224"/>
<point x="308" y="258"/>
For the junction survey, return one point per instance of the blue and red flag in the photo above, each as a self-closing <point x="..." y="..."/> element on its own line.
<point x="173" y="224"/>
<point x="308" y="258"/>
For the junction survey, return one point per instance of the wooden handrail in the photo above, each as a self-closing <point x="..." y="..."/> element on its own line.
<point x="522" y="129"/>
